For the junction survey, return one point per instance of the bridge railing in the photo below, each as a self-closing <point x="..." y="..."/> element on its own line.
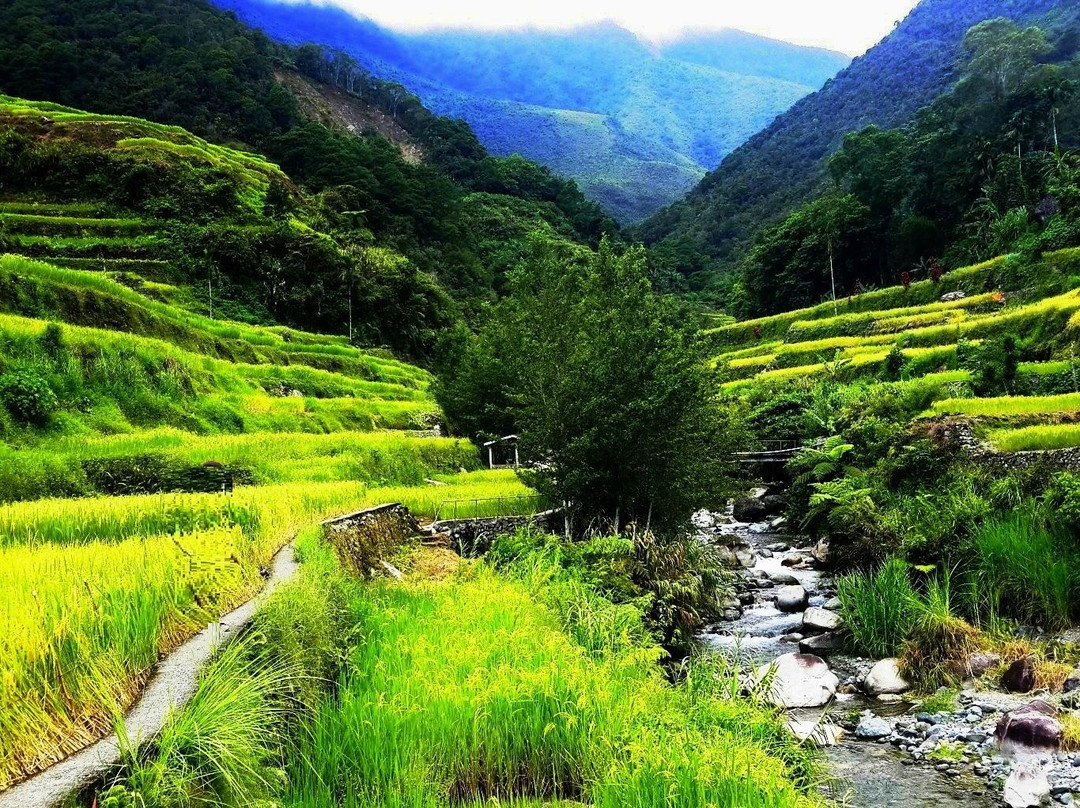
<point x="488" y="507"/>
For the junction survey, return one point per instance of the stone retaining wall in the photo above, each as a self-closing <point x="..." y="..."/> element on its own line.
<point x="364" y="538"/>
<point x="471" y="538"/>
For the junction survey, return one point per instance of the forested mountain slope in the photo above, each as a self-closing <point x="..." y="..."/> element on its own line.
<point x="636" y="125"/>
<point x="433" y="197"/>
<point x="784" y="165"/>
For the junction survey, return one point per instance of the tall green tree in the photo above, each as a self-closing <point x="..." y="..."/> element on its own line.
<point x="606" y="383"/>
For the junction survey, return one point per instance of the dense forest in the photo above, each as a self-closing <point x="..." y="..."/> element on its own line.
<point x="985" y="170"/>
<point x="706" y="235"/>
<point x="196" y="66"/>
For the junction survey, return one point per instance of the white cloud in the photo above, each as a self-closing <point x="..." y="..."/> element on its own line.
<point x="851" y="26"/>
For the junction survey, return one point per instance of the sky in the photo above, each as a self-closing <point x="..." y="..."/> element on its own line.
<point x="849" y="26"/>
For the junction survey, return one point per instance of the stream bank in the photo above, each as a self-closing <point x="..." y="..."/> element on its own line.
<point x="883" y="750"/>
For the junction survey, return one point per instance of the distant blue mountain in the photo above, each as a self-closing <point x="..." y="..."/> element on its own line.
<point x="636" y="125"/>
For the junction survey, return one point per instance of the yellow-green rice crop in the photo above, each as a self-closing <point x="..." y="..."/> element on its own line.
<point x="94" y="589"/>
<point x="468" y="689"/>
<point x="1037" y="438"/>
<point x="1008" y="405"/>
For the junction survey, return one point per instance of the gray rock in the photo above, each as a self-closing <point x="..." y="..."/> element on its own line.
<point x="750" y="509"/>
<point x="798" y="680"/>
<point x="833" y="605"/>
<point x="791" y="598"/>
<point x="980" y="663"/>
<point x="778" y="547"/>
<point x="871" y="727"/>
<point x="816" y="620"/>
<point x="1072" y="681"/>
<point x="783" y="579"/>
<point x="885" y="677"/>
<point x="822" y="645"/>
<point x="1026" y="786"/>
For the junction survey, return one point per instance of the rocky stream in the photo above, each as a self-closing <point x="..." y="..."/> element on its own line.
<point x="992" y="748"/>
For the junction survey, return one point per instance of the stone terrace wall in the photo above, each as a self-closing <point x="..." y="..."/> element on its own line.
<point x="471" y="538"/>
<point x="364" y="538"/>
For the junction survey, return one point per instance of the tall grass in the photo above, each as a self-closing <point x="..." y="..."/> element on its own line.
<point x="466" y="691"/>
<point x="878" y="608"/>
<point x="94" y="590"/>
<point x="1027" y="572"/>
<point x="1040" y="438"/>
<point x="1008" y="405"/>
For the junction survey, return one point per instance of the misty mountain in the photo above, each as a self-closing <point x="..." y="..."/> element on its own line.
<point x="636" y="124"/>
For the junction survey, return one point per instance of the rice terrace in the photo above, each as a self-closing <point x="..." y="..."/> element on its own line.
<point x="351" y="455"/>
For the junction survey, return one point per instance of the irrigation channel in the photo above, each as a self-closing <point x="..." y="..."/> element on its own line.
<point x="863" y="774"/>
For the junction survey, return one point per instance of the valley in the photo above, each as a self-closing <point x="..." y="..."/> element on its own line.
<point x="349" y="457"/>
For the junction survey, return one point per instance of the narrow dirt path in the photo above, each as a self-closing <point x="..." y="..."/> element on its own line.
<point x="170" y="687"/>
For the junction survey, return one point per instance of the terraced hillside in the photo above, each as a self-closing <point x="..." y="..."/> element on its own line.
<point x="927" y="330"/>
<point x="153" y="458"/>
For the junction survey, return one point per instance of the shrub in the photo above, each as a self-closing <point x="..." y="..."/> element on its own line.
<point x="939" y="641"/>
<point x="28" y="396"/>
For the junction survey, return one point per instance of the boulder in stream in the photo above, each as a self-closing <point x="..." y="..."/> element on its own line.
<point x="1072" y="681"/>
<point x="872" y="727"/>
<point x="798" y="680"/>
<point x="750" y="509"/>
<point x="823" y="644"/>
<point x="816" y="620"/>
<point x="791" y="598"/>
<point x="1026" y="786"/>
<point x="885" y="678"/>
<point x="818" y="733"/>
<point x="1030" y="729"/>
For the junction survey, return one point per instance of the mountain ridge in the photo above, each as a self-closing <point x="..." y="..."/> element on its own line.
<point x="670" y="111"/>
<point x="783" y="165"/>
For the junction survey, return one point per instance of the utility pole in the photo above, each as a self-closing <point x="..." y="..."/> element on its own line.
<point x="832" y="278"/>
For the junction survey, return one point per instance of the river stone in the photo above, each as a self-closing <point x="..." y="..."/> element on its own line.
<point x="885" y="678"/>
<point x="798" y="680"/>
<point x="832" y="604"/>
<point x="1032" y="728"/>
<point x="1026" y="786"/>
<point x="774" y="504"/>
<point x="816" y="620"/>
<point x="823" y="644"/>
<point x="703" y="520"/>
<point x="791" y="598"/>
<point x="815" y="732"/>
<point x="871" y="727"/>
<point x="981" y="662"/>
<point x="783" y="579"/>
<point x="745" y="557"/>
<point x="821" y="551"/>
<point x="1072" y="681"/>
<point x="750" y="509"/>
<point x="1020" y="676"/>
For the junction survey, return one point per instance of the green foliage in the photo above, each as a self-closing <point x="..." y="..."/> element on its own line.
<point x="413" y="723"/>
<point x="674" y="584"/>
<point x="28" y="396"/>
<point x="1027" y="571"/>
<point x="878" y="608"/>
<point x="936" y="152"/>
<point x="605" y="383"/>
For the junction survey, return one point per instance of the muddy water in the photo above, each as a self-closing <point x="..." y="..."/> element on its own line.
<point x="861" y="774"/>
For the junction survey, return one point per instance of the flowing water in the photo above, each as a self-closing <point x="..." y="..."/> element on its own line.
<point x="862" y="774"/>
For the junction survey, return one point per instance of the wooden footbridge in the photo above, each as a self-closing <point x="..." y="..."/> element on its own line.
<point x="776" y="451"/>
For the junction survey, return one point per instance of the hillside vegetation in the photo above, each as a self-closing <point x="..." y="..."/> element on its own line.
<point x="454" y="216"/>
<point x="708" y="235"/>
